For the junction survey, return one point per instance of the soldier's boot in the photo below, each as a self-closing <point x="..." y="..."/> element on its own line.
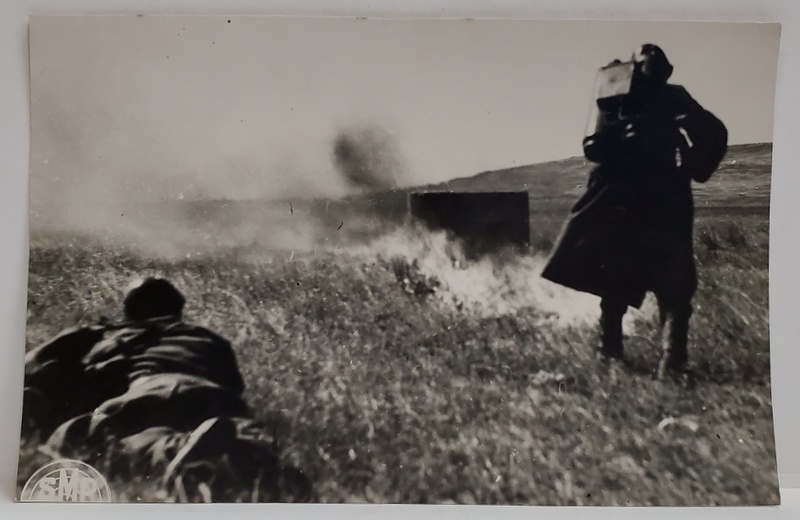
<point x="611" y="329"/>
<point x="209" y="441"/>
<point x="79" y="437"/>
<point x="257" y="466"/>
<point x="675" y="340"/>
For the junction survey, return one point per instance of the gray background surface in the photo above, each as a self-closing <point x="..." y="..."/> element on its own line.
<point x="784" y="252"/>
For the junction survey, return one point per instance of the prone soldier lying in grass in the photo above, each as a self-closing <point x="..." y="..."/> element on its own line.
<point x="154" y="393"/>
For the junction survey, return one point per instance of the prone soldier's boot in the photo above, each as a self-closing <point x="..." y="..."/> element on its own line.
<point x="210" y="440"/>
<point x="611" y="329"/>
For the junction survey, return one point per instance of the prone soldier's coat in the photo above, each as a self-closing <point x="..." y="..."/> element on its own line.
<point x="170" y="346"/>
<point x="179" y="375"/>
<point x="82" y="368"/>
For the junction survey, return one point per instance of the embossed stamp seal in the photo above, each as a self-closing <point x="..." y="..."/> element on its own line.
<point x="66" y="480"/>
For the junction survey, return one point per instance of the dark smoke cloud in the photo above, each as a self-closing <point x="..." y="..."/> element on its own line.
<point x="367" y="158"/>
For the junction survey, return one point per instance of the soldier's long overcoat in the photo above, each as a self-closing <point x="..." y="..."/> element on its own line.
<point x="631" y="232"/>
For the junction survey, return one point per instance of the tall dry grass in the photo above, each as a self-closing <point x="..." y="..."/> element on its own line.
<point x="395" y="372"/>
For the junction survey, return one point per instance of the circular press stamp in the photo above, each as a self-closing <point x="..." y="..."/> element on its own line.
<point x="66" y="480"/>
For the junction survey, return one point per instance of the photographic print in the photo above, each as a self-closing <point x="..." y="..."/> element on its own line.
<point x="346" y="260"/>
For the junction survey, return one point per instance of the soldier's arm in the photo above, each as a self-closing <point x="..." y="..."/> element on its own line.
<point x="702" y="139"/>
<point x="229" y="374"/>
<point x="604" y="145"/>
<point x="110" y="377"/>
<point x="234" y="375"/>
<point x="70" y="345"/>
<point x="115" y="366"/>
<point x="124" y="342"/>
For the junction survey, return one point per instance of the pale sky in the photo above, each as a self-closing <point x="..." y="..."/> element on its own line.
<point x="150" y="107"/>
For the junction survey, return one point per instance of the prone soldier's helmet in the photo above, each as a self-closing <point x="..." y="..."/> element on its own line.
<point x="651" y="64"/>
<point x="152" y="298"/>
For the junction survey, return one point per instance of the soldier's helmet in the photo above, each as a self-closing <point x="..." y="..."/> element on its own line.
<point x="652" y="64"/>
<point x="148" y="298"/>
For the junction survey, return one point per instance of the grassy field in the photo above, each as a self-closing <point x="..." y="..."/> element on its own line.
<point x="393" y="373"/>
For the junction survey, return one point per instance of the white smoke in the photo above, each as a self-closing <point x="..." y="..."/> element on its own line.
<point x="494" y="286"/>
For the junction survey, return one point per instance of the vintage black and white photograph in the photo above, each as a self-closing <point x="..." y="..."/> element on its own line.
<point x="347" y="260"/>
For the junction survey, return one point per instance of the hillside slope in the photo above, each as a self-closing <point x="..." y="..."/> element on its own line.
<point x="741" y="186"/>
<point x="743" y="180"/>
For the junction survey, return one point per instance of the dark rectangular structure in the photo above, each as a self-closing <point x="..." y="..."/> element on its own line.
<point x="484" y="221"/>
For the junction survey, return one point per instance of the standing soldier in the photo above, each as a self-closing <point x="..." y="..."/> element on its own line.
<point x="631" y="232"/>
